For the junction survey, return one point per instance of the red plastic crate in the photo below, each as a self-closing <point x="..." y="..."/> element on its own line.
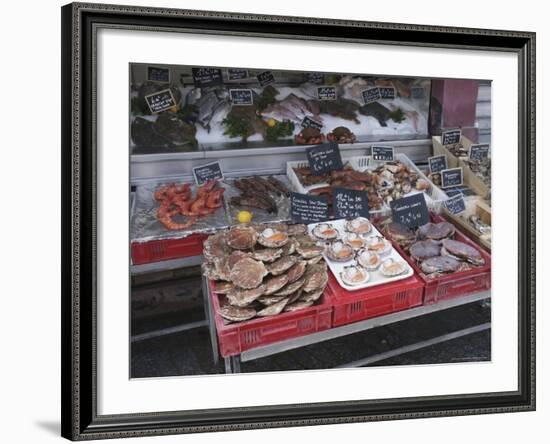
<point x="353" y="306"/>
<point x="237" y="337"/>
<point x="454" y="284"/>
<point x="165" y="249"/>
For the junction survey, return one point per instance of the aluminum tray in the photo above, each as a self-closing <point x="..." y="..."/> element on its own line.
<point x="376" y="277"/>
<point x="145" y="227"/>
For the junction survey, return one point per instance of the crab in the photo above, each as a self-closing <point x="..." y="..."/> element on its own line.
<point x="309" y="136"/>
<point x="424" y="249"/>
<point x="438" y="231"/>
<point x="462" y="251"/>
<point x="399" y="233"/>
<point x="441" y="264"/>
<point x="341" y="134"/>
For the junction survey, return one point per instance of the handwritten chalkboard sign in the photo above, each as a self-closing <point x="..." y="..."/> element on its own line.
<point x="306" y="209"/>
<point x="326" y="93"/>
<point x="155" y="74"/>
<point x="350" y="203"/>
<point x="265" y="78"/>
<point x="437" y="163"/>
<point x="455" y="204"/>
<point x="479" y="151"/>
<point x="451" y="178"/>
<point x="324" y="158"/>
<point x="241" y="96"/>
<point x="310" y="123"/>
<point x="371" y="95"/>
<point x="410" y="211"/>
<point x="317" y="78"/>
<point x="160" y="101"/>
<point x="387" y="92"/>
<point x="451" y="137"/>
<point x="207" y="172"/>
<point x="237" y="74"/>
<point x="382" y="153"/>
<point x="207" y="76"/>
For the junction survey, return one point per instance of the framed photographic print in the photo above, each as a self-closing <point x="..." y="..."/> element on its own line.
<point x="278" y="221"/>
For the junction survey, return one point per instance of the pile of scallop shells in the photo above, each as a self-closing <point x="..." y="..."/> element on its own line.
<point x="263" y="270"/>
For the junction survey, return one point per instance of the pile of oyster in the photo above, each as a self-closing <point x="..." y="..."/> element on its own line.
<point x="263" y="270"/>
<point x="433" y="248"/>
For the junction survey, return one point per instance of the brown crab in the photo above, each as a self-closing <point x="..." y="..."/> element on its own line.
<point x="341" y="134"/>
<point x="309" y="136"/>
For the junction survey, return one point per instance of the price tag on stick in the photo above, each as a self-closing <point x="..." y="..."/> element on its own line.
<point x="306" y="209"/>
<point x="326" y="93"/>
<point x="479" y="151"/>
<point x="156" y="74"/>
<point x="241" y="96"/>
<point x="451" y="137"/>
<point x="160" y="101"/>
<point x="371" y="95"/>
<point x="410" y="211"/>
<point x="451" y="177"/>
<point x="455" y="204"/>
<point x="387" y="92"/>
<point x="317" y="78"/>
<point x="207" y="172"/>
<point x="237" y="74"/>
<point x="265" y="78"/>
<point x="437" y="163"/>
<point x="350" y="203"/>
<point x="324" y="158"/>
<point x="308" y="122"/>
<point x="383" y="153"/>
<point x="207" y="76"/>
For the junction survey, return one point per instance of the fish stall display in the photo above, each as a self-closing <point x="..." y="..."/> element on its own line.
<point x="289" y="110"/>
<point x="260" y="270"/>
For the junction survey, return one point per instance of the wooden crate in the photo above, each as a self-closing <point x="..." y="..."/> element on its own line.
<point x="474" y="206"/>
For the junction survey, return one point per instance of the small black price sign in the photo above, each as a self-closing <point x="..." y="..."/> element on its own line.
<point x="451" y="177"/>
<point x="310" y="123"/>
<point x="207" y="76"/>
<point x="479" y="151"/>
<point x="326" y="93"/>
<point x="371" y="95"/>
<point x="455" y="204"/>
<point x="241" y="96"/>
<point x="437" y="163"/>
<point x="156" y="74"/>
<point x="160" y="101"/>
<point x="387" y="92"/>
<point x="237" y="74"/>
<point x="306" y="209"/>
<point x="410" y="211"/>
<point x="324" y="158"/>
<point x="265" y="78"/>
<point x="207" y="172"/>
<point x="383" y="153"/>
<point x="350" y="203"/>
<point x="317" y="78"/>
<point x="451" y="137"/>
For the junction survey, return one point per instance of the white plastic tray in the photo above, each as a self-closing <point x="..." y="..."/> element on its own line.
<point x="376" y="277"/>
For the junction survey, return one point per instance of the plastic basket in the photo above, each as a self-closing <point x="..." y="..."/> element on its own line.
<point x="354" y="306"/>
<point x="166" y="249"/>
<point x="235" y="338"/>
<point x="455" y="284"/>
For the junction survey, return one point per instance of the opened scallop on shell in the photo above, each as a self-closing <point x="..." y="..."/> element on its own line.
<point x="272" y="238"/>
<point x="339" y="252"/>
<point x="368" y="259"/>
<point x="354" y="275"/>
<point x="378" y="244"/>
<point x="391" y="267"/>
<point x="359" y="225"/>
<point x="325" y="232"/>
<point x="355" y="241"/>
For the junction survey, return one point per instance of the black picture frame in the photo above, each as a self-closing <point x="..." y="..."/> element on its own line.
<point x="79" y="390"/>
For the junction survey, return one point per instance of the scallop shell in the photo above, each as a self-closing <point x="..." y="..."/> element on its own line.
<point x="267" y="254"/>
<point x="236" y="314"/>
<point x="299" y="305"/>
<point x="273" y="238"/>
<point x="325" y="231"/>
<point x="281" y="265"/>
<point x="354" y="275"/>
<point x="379" y="245"/>
<point x="273" y="309"/>
<point x="359" y="225"/>
<point x="243" y="298"/>
<point x="355" y="241"/>
<point x="391" y="267"/>
<point x="291" y="288"/>
<point x="248" y="273"/>
<point x="339" y="252"/>
<point x="369" y="260"/>
<point x="296" y="271"/>
<point x="241" y="238"/>
<point x="312" y="296"/>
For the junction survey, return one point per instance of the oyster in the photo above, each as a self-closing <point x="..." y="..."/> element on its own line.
<point x="243" y="298"/>
<point x="267" y="254"/>
<point x="236" y="314"/>
<point x="291" y="288"/>
<point x="378" y="244"/>
<point x="438" y="231"/>
<point x="462" y="251"/>
<point x="275" y="283"/>
<point x="355" y="241"/>
<point x="223" y="287"/>
<point x="309" y="251"/>
<point x="390" y="267"/>
<point x="316" y="277"/>
<point x="296" y="271"/>
<point x="359" y="225"/>
<point x="248" y="273"/>
<point x="440" y="264"/>
<point x="281" y="265"/>
<point x="311" y="296"/>
<point x="273" y="238"/>
<point x="299" y="305"/>
<point x="241" y="238"/>
<point x="273" y="309"/>
<point x="297" y="229"/>
<point x="325" y="232"/>
<point x="424" y="249"/>
<point x="339" y="252"/>
<point x="354" y="275"/>
<point x="368" y="259"/>
<point x="400" y="233"/>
